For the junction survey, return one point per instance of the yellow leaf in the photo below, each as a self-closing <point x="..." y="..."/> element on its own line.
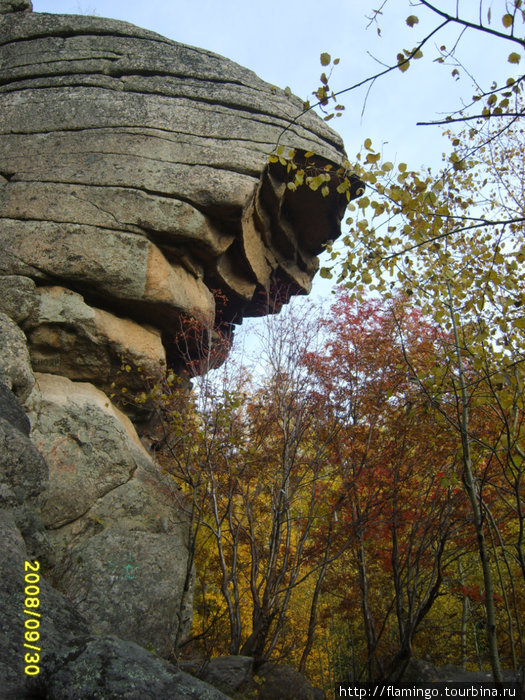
<point x="507" y="20"/>
<point x="412" y="20"/>
<point x="514" y="57"/>
<point x="368" y="144"/>
<point x="402" y="62"/>
<point x="325" y="59"/>
<point x="325" y="191"/>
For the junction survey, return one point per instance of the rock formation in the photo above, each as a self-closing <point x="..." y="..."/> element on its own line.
<point x="136" y="194"/>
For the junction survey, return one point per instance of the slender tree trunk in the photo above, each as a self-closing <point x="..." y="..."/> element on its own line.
<point x="474" y="499"/>
<point x="464" y="618"/>
<point x="371" y="641"/>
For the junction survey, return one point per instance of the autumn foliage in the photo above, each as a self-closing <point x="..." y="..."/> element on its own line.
<point x="331" y="528"/>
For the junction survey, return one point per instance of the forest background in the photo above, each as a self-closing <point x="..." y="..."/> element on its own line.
<point x="358" y="499"/>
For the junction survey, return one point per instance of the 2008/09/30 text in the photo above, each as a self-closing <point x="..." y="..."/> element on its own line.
<point x="32" y="619"/>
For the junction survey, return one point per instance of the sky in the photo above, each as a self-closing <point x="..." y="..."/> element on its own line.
<point x="281" y="40"/>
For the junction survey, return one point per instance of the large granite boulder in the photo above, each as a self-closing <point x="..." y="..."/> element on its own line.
<point x="240" y="677"/>
<point x="75" y="663"/>
<point x="137" y="199"/>
<point x="134" y="171"/>
<point x="116" y="523"/>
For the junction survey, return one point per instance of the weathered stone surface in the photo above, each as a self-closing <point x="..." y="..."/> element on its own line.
<point x="75" y="663"/>
<point x="15" y="6"/>
<point x="125" y="267"/>
<point x="17" y="296"/>
<point x="90" y="446"/>
<point x="22" y="469"/>
<point x="240" y="677"/>
<point x="111" y="668"/>
<point x="173" y="221"/>
<point x="15" y="366"/>
<point x="283" y="682"/>
<point x="129" y="583"/>
<point x="228" y="673"/>
<point x="60" y="625"/>
<point x="134" y="170"/>
<point x="70" y="338"/>
<point x="116" y="524"/>
<point x="12" y="412"/>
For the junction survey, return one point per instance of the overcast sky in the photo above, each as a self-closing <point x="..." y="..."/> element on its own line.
<point x="281" y="40"/>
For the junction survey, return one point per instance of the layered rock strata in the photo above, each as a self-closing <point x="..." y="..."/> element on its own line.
<point x="134" y="171"/>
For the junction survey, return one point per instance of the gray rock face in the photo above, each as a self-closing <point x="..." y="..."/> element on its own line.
<point x="134" y="170"/>
<point x="17" y="297"/>
<point x="15" y="366"/>
<point x="283" y="682"/>
<point x="22" y="469"/>
<point x="75" y="663"/>
<point x="238" y="676"/>
<point x="115" y="522"/>
<point x="15" y="6"/>
<point x="228" y="673"/>
<point x="61" y="627"/>
<point x="111" y="668"/>
<point x="12" y="412"/>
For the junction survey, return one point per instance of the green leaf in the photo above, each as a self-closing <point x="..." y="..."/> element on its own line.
<point x="325" y="59"/>
<point x="507" y="20"/>
<point x="514" y="57"/>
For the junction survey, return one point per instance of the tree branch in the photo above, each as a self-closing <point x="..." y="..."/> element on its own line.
<point x="471" y="25"/>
